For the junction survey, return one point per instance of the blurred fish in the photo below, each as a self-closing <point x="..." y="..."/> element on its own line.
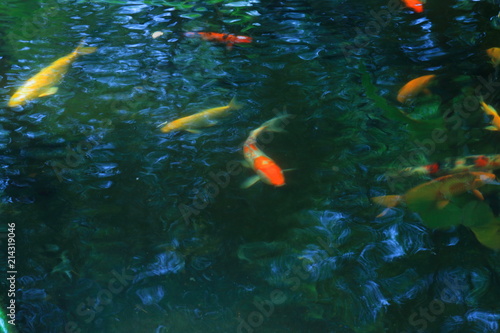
<point x="414" y="88"/>
<point x="490" y="111"/>
<point x="415" y="5"/>
<point x="494" y="54"/>
<point x="439" y="191"/>
<point x="267" y="170"/>
<point x="227" y="39"/>
<point x="203" y="118"/>
<point x="452" y="165"/>
<point x="42" y="84"/>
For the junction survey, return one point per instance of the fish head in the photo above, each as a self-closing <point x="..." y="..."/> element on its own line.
<point x="269" y="172"/>
<point x="488" y="178"/>
<point x="16" y="100"/>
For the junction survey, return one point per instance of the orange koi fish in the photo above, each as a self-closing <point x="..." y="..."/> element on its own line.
<point x="267" y="170"/>
<point x="490" y="111"/>
<point x="227" y="39"/>
<point x="438" y="192"/>
<point x="414" y="88"/>
<point x="43" y="83"/>
<point x="415" y="5"/>
<point x="494" y="54"/>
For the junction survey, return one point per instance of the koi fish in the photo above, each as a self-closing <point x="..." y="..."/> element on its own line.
<point x="490" y="111"/>
<point x="415" y="5"/>
<point x="227" y="39"/>
<point x="43" y="83"/>
<point x="203" y="118"/>
<point x="452" y="165"/>
<point x="267" y="170"/>
<point x="414" y="88"/>
<point x="494" y="54"/>
<point x="439" y="191"/>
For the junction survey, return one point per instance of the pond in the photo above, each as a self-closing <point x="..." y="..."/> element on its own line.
<point x="112" y="223"/>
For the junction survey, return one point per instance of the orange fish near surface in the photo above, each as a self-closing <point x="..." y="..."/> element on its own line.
<point x="494" y="54"/>
<point x="227" y="39"/>
<point x="267" y="170"/>
<point x="438" y="192"/>
<point x="415" y="5"/>
<point x="413" y="88"/>
<point x="495" y="120"/>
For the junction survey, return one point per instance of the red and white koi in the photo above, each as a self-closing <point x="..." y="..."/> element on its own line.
<point x="267" y="170"/>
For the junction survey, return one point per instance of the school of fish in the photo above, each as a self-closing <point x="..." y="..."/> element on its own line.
<point x="456" y="176"/>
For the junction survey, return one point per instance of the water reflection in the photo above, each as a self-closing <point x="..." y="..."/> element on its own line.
<point x="115" y="206"/>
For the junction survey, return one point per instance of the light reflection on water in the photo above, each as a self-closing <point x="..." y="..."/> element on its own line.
<point x="116" y="204"/>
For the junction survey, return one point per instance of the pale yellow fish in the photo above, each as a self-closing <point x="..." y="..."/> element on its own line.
<point x="44" y="82"/>
<point x="203" y="118"/>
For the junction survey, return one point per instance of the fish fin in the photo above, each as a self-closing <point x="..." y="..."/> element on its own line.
<point x="286" y="170"/>
<point x="388" y="201"/>
<point x="162" y="124"/>
<point x="478" y="194"/>
<point x="245" y="164"/>
<point x="233" y="105"/>
<point x="249" y="182"/>
<point x="426" y="91"/>
<point x="384" y="212"/>
<point x="276" y="124"/>
<point x="48" y="92"/>
<point x="491" y="128"/>
<point x="85" y="50"/>
<point x="442" y="203"/>
<point x="194" y="131"/>
<point x="229" y="46"/>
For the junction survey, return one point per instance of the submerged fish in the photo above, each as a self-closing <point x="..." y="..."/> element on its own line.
<point x="267" y="170"/>
<point x="438" y="192"/>
<point x="415" y="87"/>
<point x="227" y="39"/>
<point x="415" y="5"/>
<point x="203" y="118"/>
<point x="495" y="120"/>
<point x="494" y="54"/>
<point x="452" y="165"/>
<point x="43" y="83"/>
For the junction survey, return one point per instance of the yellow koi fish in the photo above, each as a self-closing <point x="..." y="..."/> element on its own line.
<point x="490" y="111"/>
<point x="203" y="118"/>
<point x="438" y="192"/>
<point x="43" y="83"/>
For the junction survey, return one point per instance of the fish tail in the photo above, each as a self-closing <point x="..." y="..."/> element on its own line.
<point x="233" y="105"/>
<point x="388" y="201"/>
<point x="81" y="50"/>
<point x="276" y="124"/>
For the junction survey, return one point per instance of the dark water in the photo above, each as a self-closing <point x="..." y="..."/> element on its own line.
<point x="120" y="228"/>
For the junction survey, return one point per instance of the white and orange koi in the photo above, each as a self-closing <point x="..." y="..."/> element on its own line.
<point x="43" y="83"/>
<point x="267" y="170"/>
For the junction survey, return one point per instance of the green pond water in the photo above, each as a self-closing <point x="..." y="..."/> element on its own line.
<point x="122" y="228"/>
